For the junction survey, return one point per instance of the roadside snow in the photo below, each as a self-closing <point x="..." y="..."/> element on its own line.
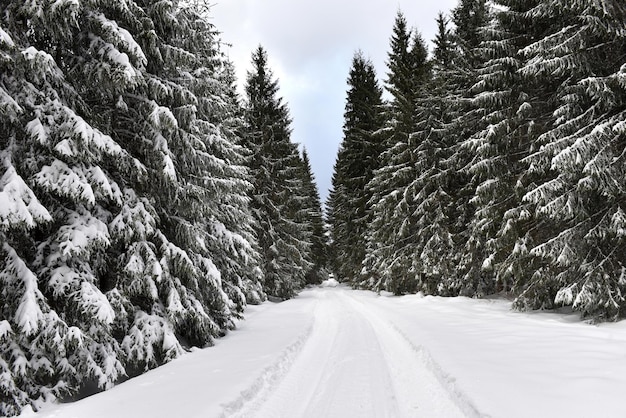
<point x="330" y="283"/>
<point x="334" y="352"/>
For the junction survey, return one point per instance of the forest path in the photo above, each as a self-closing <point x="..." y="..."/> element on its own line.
<point x="337" y="352"/>
<point x="353" y="363"/>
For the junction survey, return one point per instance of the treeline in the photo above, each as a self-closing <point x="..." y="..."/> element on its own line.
<point x="143" y="204"/>
<point x="498" y="164"/>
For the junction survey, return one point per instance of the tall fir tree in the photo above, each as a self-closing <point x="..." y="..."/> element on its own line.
<point x="579" y="161"/>
<point x="431" y="214"/>
<point x="231" y="226"/>
<point x="470" y="19"/>
<point x="278" y="197"/>
<point x="444" y="53"/>
<point x="389" y="264"/>
<point x="358" y="157"/>
<point x="115" y="165"/>
<point x="314" y="217"/>
<point x="511" y="110"/>
<point x="58" y="320"/>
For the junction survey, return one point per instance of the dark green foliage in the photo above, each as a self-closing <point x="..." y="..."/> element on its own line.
<point x="314" y="217"/>
<point x="470" y="18"/>
<point x="279" y="197"/>
<point x="430" y="196"/>
<point x="507" y="105"/>
<point x="125" y="229"/>
<point x="579" y="160"/>
<point x="444" y="53"/>
<point x="391" y="262"/>
<point x="503" y="166"/>
<point x="359" y="156"/>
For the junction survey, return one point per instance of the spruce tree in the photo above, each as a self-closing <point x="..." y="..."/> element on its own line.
<point x="60" y="191"/>
<point x="116" y="159"/>
<point x="444" y="53"/>
<point x="315" y="219"/>
<point x="358" y="157"/>
<point x="389" y="263"/>
<point x="429" y="197"/>
<point x="166" y="273"/>
<point x="278" y="195"/>
<point x="512" y="110"/>
<point x="579" y="161"/>
<point x="470" y="19"/>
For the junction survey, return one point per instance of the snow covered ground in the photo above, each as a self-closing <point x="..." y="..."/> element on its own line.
<point x="334" y="352"/>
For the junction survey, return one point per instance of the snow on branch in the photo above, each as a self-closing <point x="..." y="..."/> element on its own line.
<point x="41" y="64"/>
<point x="162" y="117"/>
<point x="18" y="203"/>
<point x="59" y="178"/>
<point x="143" y="269"/>
<point x="5" y="329"/>
<point x="8" y="106"/>
<point x="37" y="131"/>
<point x="6" y="39"/>
<point x="94" y="303"/>
<point x="121" y="37"/>
<point x="135" y="221"/>
<point x="67" y="282"/>
<point x="618" y="223"/>
<point x="151" y="340"/>
<point x="75" y="137"/>
<point x="80" y="233"/>
<point x="28" y="315"/>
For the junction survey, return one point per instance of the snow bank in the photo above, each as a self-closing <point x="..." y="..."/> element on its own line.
<point x="512" y="364"/>
<point x="330" y="283"/>
<point x="210" y="382"/>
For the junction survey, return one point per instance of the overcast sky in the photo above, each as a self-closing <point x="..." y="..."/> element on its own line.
<point x="310" y="44"/>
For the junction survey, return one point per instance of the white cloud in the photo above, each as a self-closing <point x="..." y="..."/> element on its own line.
<point x="310" y="44"/>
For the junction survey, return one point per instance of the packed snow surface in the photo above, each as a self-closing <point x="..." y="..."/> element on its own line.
<point x="335" y="352"/>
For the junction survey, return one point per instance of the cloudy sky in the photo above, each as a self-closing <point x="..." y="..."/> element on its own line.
<point x="310" y="44"/>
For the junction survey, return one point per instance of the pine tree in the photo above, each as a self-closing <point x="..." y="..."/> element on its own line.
<point x="579" y="161"/>
<point x="170" y="288"/>
<point x="58" y="319"/>
<point x="444" y="53"/>
<point x="278" y="195"/>
<point x="470" y="19"/>
<point x="431" y="215"/>
<point x="358" y="157"/>
<point x="512" y="115"/>
<point x="314" y="217"/>
<point x="230" y="239"/>
<point x="116" y="160"/>
<point x="390" y="264"/>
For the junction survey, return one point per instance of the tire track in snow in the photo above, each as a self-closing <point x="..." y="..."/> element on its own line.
<point x="445" y="379"/>
<point x="340" y="372"/>
<point x="352" y="361"/>
<point x="257" y="393"/>
<point x="396" y="338"/>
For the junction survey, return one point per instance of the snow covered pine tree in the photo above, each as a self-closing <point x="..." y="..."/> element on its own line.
<point x="580" y="160"/>
<point x="390" y="255"/>
<point x="119" y="164"/>
<point x="358" y="157"/>
<point x="278" y="196"/>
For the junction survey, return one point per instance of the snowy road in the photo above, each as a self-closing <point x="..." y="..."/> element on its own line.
<point x="334" y="352"/>
<point x="354" y="365"/>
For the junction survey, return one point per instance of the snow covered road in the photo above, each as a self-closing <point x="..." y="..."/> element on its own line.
<point x="354" y="365"/>
<point x="334" y="352"/>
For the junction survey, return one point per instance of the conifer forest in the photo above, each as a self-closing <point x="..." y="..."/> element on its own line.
<point x="145" y="200"/>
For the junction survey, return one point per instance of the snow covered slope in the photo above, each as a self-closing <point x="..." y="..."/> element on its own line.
<point x="334" y="352"/>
